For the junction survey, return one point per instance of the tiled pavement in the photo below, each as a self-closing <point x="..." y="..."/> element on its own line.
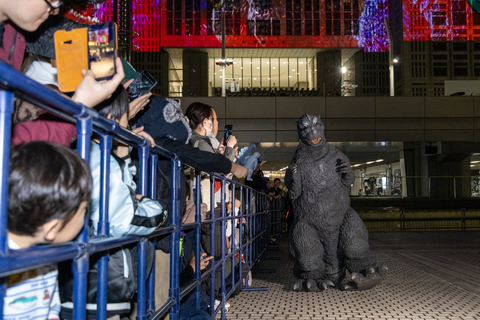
<point x="431" y="276"/>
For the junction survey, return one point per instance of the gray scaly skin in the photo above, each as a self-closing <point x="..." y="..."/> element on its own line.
<point x="327" y="235"/>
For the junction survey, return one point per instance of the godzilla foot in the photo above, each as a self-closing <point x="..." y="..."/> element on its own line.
<point x="298" y="285"/>
<point x="324" y="284"/>
<point x="312" y="285"/>
<point x="371" y="278"/>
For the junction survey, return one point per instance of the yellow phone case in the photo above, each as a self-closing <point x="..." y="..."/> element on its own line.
<point x="71" y="53"/>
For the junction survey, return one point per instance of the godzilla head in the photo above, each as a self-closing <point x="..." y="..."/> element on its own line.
<point x="311" y="130"/>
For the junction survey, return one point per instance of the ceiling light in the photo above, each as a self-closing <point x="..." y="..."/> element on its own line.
<point x="239" y="78"/>
<point x="370" y="162"/>
<point x="293" y="69"/>
<point x="254" y="78"/>
<point x="379" y="160"/>
<point x="268" y="62"/>
<point x="474" y="161"/>
<point x="258" y="67"/>
<point x="273" y="67"/>
<point x="344" y="69"/>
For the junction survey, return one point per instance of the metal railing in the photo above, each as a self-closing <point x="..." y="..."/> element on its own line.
<point x="434" y="186"/>
<point x="253" y="209"/>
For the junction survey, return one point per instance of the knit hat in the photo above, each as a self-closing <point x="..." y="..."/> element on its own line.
<point x="41" y="41"/>
<point x="163" y="117"/>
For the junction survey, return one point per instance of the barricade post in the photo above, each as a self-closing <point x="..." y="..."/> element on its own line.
<point x="88" y="121"/>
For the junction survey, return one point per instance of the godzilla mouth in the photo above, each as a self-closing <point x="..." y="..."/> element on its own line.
<point x="316" y="141"/>
<point x="83" y="16"/>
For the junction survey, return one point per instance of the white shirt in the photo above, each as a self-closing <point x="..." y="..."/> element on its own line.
<point x="32" y="294"/>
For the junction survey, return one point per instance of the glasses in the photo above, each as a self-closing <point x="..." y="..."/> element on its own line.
<point x="54" y="4"/>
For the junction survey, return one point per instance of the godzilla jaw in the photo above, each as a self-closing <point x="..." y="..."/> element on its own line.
<point x="316" y="141"/>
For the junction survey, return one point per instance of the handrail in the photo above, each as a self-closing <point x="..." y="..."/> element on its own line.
<point x="14" y="83"/>
<point x="34" y="92"/>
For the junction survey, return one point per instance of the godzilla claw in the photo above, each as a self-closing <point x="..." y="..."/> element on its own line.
<point x="312" y="286"/>
<point x="324" y="284"/>
<point x="371" y="279"/>
<point x="298" y="285"/>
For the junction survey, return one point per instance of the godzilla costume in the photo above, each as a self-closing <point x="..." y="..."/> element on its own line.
<point x="327" y="236"/>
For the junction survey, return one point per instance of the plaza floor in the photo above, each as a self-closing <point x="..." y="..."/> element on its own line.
<point x="432" y="275"/>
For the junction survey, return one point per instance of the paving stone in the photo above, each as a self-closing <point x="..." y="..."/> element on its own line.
<point x="430" y="277"/>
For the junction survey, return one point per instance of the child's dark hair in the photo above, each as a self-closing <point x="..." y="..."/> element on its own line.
<point x="46" y="181"/>
<point x="116" y="105"/>
<point x="196" y="113"/>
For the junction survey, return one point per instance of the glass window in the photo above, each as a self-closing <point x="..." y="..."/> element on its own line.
<point x="298" y="27"/>
<point x="211" y="76"/>
<point x="256" y="73"/>
<point x="247" y="72"/>
<point x="238" y="72"/>
<point x="265" y="73"/>
<point x="284" y="73"/>
<point x="276" y="27"/>
<point x="263" y="27"/>
<point x="250" y="27"/>
<point x="302" y="72"/>
<point x="293" y="72"/>
<point x="274" y="73"/>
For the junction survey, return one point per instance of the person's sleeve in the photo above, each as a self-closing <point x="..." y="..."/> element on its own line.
<point x="187" y="276"/>
<point x="147" y="218"/>
<point x="202" y="145"/>
<point x="126" y="216"/>
<point x="230" y="153"/>
<point x="54" y="310"/>
<point x="44" y="130"/>
<point x="203" y="160"/>
<point x="187" y="250"/>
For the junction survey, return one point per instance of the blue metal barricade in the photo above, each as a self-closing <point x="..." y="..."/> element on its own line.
<point x="252" y="208"/>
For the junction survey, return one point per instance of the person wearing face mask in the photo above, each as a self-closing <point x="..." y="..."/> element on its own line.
<point x="202" y="120"/>
<point x="219" y="147"/>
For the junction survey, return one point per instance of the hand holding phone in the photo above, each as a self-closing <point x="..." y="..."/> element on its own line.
<point x="143" y="84"/>
<point x="227" y="133"/>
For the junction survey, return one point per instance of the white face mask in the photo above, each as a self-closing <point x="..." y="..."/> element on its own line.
<point x="209" y="130"/>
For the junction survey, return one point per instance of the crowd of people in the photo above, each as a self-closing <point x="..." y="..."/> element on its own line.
<point x="51" y="188"/>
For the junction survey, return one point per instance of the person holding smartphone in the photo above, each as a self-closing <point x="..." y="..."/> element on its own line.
<point x="28" y="15"/>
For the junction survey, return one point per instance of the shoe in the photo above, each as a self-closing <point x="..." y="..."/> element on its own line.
<point x="217" y="303"/>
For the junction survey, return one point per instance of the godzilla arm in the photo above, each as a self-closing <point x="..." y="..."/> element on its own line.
<point x="293" y="181"/>
<point x="344" y="168"/>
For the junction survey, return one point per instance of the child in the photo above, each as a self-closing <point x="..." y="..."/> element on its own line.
<point x="129" y="214"/>
<point x="49" y="186"/>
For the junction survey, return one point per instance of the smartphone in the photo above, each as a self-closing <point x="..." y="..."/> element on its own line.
<point x="71" y="54"/>
<point x="102" y="50"/>
<point x="142" y="85"/>
<point x="227" y="133"/>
